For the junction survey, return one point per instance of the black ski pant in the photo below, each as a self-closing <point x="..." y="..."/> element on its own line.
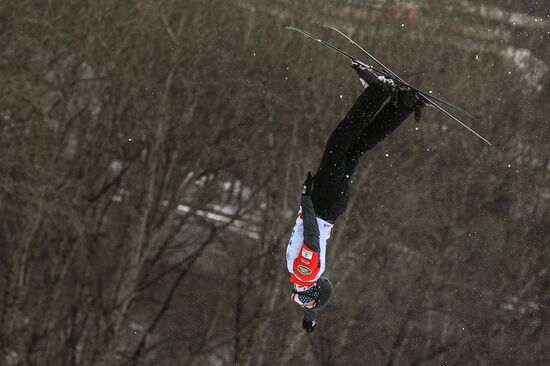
<point x="367" y="123"/>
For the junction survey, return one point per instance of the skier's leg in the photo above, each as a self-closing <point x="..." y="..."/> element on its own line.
<point x="385" y="122"/>
<point x="359" y="116"/>
<point x="330" y="192"/>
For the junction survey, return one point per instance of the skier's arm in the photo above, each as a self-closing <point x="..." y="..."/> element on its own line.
<point x="306" y="266"/>
<point x="311" y="228"/>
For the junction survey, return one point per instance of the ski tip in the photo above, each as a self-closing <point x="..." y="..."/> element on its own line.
<point x="330" y="27"/>
<point x="289" y="27"/>
<point x="484" y="139"/>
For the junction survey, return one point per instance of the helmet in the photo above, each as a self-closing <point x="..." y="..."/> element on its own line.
<point x="324" y="286"/>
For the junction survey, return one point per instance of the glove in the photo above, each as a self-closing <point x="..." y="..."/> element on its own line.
<point x="308" y="326"/>
<point x="305" y="296"/>
<point x="308" y="185"/>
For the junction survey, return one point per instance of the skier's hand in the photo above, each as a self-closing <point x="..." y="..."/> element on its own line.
<point x="305" y="296"/>
<point x="310" y="304"/>
<point x="308" y="326"/>
<point x="308" y="185"/>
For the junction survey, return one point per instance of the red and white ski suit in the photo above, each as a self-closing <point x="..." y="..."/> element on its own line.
<point x="307" y="249"/>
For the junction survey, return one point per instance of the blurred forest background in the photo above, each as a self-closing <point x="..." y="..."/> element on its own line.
<point x="152" y="154"/>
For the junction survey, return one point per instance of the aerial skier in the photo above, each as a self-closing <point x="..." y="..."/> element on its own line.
<point x="385" y="103"/>
<point x="378" y="111"/>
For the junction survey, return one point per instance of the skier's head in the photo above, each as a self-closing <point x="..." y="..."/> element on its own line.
<point x="316" y="297"/>
<point x="325" y="292"/>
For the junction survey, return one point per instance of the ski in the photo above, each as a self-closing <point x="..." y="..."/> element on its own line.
<point x="336" y="49"/>
<point x="394" y="75"/>
<point x="428" y="99"/>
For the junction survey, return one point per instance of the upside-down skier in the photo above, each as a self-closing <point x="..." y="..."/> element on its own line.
<point x="372" y="118"/>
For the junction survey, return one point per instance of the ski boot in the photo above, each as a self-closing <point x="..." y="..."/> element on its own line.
<point x="369" y="77"/>
<point x="410" y="100"/>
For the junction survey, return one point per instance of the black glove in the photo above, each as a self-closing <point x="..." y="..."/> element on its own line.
<point x="308" y="185"/>
<point x="308" y="326"/>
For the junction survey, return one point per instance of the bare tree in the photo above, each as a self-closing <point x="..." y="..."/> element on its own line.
<point x="152" y="155"/>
